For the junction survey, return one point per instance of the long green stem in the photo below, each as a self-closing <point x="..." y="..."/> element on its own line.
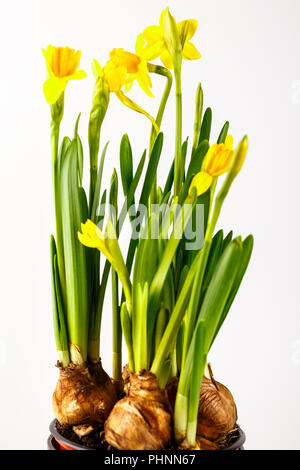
<point x="168" y="340"/>
<point x="178" y="168"/>
<point x="117" y="330"/>
<point x="196" y="380"/>
<point x="57" y="205"/>
<point x="154" y="131"/>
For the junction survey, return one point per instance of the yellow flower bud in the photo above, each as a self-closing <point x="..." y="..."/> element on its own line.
<point x="239" y="156"/>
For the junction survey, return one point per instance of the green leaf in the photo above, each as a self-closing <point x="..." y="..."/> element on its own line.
<point x="130" y="195"/>
<point x="75" y="255"/>
<point x="244" y="261"/>
<point x="147" y="186"/>
<point x="126" y="163"/>
<point x="204" y="199"/>
<point x="214" y="256"/>
<point x="159" y="279"/>
<point x="168" y="340"/>
<point x="199" y="361"/>
<point x="206" y="126"/>
<point x="139" y="322"/>
<point x="66" y="142"/>
<point x="194" y="166"/>
<point x="221" y="283"/>
<point x="169" y="181"/>
<point x="126" y="328"/>
<point x="227" y="240"/>
<point x="95" y="204"/>
<point x="223" y="133"/>
<point x="101" y="215"/>
<point x="160" y="326"/>
<point x="80" y="159"/>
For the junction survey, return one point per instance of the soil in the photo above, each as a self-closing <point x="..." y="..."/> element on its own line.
<point x="92" y="441"/>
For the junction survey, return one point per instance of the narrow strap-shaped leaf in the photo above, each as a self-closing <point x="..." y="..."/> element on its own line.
<point x="227" y="240"/>
<point x="126" y="328"/>
<point x="101" y="215"/>
<point x="196" y="380"/>
<point x="119" y="225"/>
<point x="169" y="181"/>
<point x="169" y="337"/>
<point x="203" y="200"/>
<point x="166" y="260"/>
<point x="140" y="331"/>
<point x="66" y="142"/>
<point x="194" y="166"/>
<point x="130" y="195"/>
<point x="206" y="126"/>
<point x="223" y="133"/>
<point x="213" y="258"/>
<point x="75" y="256"/>
<point x="222" y="281"/>
<point x="244" y="261"/>
<point x="147" y="186"/>
<point x="80" y="159"/>
<point x="59" y="321"/>
<point x="95" y="204"/>
<point x="126" y="163"/>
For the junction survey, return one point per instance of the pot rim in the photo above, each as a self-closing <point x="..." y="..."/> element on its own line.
<point x="238" y="444"/>
<point x="63" y="440"/>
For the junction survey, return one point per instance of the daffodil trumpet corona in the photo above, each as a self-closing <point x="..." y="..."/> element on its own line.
<point x="172" y="289"/>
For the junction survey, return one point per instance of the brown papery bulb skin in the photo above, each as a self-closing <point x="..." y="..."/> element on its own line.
<point x="217" y="414"/>
<point x="83" y="395"/>
<point x="141" y="420"/>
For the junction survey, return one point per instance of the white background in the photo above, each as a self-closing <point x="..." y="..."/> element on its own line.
<point x="250" y="73"/>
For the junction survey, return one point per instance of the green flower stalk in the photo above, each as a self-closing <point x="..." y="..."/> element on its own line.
<point x="99" y="108"/>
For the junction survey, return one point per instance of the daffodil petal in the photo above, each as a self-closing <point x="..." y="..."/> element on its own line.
<point x="202" y="181"/>
<point x="152" y="33"/>
<point x="87" y="241"/>
<point x="193" y="25"/>
<point x="139" y="44"/>
<point x="166" y="59"/>
<point x="229" y="142"/>
<point x="141" y="79"/>
<point x="153" y="50"/>
<point x="100" y="234"/>
<point x="78" y="75"/>
<point x="190" y="52"/>
<point x="53" y="88"/>
<point x="128" y="86"/>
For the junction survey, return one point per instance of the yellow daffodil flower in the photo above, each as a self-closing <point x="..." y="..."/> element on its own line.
<point x="107" y="244"/>
<point x="121" y="70"/>
<point x="93" y="237"/>
<point x="62" y="65"/>
<point x="215" y="163"/>
<point x="154" y="36"/>
<point x="124" y="67"/>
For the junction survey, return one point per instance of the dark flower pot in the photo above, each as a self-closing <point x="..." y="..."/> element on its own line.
<point x="58" y="442"/>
